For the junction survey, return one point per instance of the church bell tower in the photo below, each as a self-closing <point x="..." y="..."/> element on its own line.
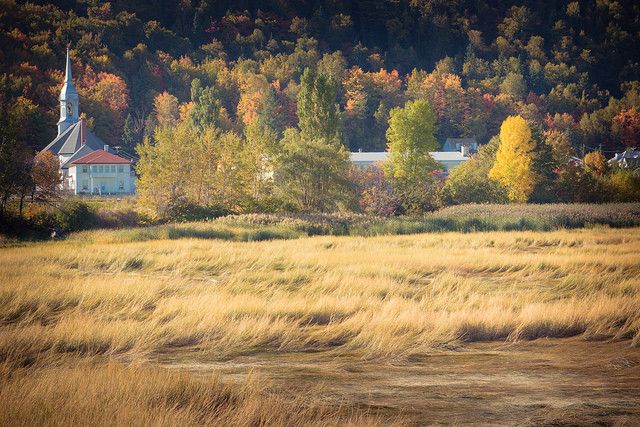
<point x="68" y="100"/>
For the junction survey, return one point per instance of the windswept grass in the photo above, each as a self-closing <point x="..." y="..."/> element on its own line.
<point x="106" y="394"/>
<point x="383" y="299"/>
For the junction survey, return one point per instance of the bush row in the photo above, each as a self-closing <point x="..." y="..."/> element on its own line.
<point x="73" y="214"/>
<point x="462" y="218"/>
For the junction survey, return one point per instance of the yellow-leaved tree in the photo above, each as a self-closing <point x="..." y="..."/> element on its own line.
<point x="513" y="167"/>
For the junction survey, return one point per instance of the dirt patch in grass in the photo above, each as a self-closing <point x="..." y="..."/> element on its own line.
<point x="547" y="381"/>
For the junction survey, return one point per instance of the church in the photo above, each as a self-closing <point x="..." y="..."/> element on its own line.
<point x="87" y="164"/>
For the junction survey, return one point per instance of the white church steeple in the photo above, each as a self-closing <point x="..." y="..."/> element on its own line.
<point x="68" y="100"/>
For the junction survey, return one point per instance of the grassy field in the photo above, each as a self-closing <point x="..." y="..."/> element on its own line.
<point x="104" y="329"/>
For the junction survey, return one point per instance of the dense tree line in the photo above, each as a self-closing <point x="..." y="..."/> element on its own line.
<point x="476" y="62"/>
<point x="251" y="97"/>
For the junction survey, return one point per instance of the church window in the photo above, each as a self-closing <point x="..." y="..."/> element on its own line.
<point x="70" y="109"/>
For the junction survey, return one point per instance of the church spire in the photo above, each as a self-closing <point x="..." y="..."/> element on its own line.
<point x="68" y="100"/>
<point x="67" y="76"/>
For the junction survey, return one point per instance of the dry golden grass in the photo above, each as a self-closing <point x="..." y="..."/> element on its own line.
<point x="101" y="393"/>
<point x="69" y="311"/>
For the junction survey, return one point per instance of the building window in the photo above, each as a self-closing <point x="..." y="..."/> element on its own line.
<point x="94" y="168"/>
<point x="120" y="169"/>
<point x="121" y="184"/>
<point x="70" y="110"/>
<point x="113" y="168"/>
<point x="100" y="168"/>
<point x="84" y="169"/>
<point x="85" y="185"/>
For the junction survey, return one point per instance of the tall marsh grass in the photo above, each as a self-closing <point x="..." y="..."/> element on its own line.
<point x="381" y="297"/>
<point x="114" y="394"/>
<point x="464" y="218"/>
<point x="67" y="307"/>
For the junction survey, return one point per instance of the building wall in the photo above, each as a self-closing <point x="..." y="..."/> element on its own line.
<point x="363" y="165"/>
<point x="102" y="179"/>
<point x="448" y="165"/>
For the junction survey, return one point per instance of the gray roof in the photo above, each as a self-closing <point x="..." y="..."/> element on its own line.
<point x="369" y="156"/>
<point x="83" y="151"/>
<point x="69" y="141"/>
<point x="448" y="156"/>
<point x="630" y="153"/>
<point x="450" y="143"/>
<point x="629" y="158"/>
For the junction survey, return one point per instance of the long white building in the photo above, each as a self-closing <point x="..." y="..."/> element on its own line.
<point x="448" y="159"/>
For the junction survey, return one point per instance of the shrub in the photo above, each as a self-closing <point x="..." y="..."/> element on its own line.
<point x="70" y="215"/>
<point x="39" y="216"/>
<point x="74" y="215"/>
<point x="576" y="184"/>
<point x="625" y="186"/>
<point x="192" y="212"/>
<point x="425" y="196"/>
<point x="309" y="223"/>
<point x="114" y="218"/>
<point x="374" y="192"/>
<point x="380" y="201"/>
<point x="469" y="182"/>
<point x="266" y="204"/>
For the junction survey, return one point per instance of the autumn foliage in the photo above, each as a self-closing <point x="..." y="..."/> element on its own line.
<point x="514" y="160"/>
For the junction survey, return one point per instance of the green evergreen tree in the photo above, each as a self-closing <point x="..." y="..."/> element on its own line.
<point x="318" y="115"/>
<point x="129" y="135"/>
<point x="269" y="115"/>
<point x="206" y="106"/>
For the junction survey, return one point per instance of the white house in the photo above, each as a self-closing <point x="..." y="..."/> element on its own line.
<point x="100" y="172"/>
<point x="628" y="159"/>
<point x="448" y="159"/>
<point x="75" y="143"/>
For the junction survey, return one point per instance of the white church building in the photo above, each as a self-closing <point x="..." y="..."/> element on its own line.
<point x="87" y="164"/>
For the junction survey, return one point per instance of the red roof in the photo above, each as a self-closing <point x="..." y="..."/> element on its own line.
<point x="100" y="157"/>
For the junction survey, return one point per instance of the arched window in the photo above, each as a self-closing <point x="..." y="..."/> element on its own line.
<point x="70" y="110"/>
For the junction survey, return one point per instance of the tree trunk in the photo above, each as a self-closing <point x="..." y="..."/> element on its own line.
<point x="22" y="196"/>
<point x="3" y="204"/>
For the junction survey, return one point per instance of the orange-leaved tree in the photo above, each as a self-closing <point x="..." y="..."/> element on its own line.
<point x="596" y="163"/>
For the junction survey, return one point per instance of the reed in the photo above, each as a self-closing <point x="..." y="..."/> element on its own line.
<point x="74" y="314"/>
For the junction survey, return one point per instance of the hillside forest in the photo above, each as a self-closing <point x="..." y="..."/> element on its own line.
<point x="258" y="76"/>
